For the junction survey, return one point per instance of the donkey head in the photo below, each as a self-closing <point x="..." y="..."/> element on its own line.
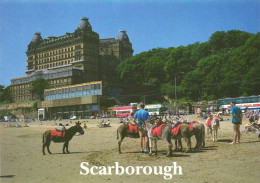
<point x="79" y="128"/>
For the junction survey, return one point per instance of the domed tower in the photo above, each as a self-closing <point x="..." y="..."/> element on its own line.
<point x="125" y="46"/>
<point x="123" y="36"/>
<point x="86" y="50"/>
<point x="36" y="38"/>
<point x="84" y="25"/>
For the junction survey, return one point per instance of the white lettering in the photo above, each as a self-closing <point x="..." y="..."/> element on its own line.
<point x="145" y="170"/>
<point x="82" y="165"/>
<point x="175" y="169"/>
<point x="109" y="170"/>
<point x="119" y="167"/>
<point x="167" y="174"/>
<point x="103" y="170"/>
<point x="156" y="171"/>
<point x="166" y="171"/>
<point x="132" y="170"/>
<point x="92" y="170"/>
<point x="138" y="169"/>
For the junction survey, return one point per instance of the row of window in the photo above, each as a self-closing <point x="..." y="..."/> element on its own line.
<point x="65" y="81"/>
<point x="251" y="99"/>
<point x="22" y="98"/>
<point x="21" y="86"/>
<point x="72" y="92"/>
<point x="56" y="58"/>
<point x="20" y="92"/>
<point x="58" y="51"/>
<point x="46" y="76"/>
<point x="54" y="64"/>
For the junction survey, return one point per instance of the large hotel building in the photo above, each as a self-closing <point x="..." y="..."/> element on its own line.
<point x="79" y="67"/>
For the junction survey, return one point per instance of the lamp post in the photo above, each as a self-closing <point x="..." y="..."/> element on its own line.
<point x="175" y="81"/>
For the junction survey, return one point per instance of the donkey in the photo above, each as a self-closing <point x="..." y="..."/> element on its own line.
<point x="122" y="132"/>
<point x="198" y="130"/>
<point x="165" y="135"/>
<point x="47" y="137"/>
<point x="212" y="130"/>
<point x="199" y="133"/>
<point x="215" y="127"/>
<point x="185" y="133"/>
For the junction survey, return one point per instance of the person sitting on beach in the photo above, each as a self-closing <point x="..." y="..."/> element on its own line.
<point x="108" y="122"/>
<point x="250" y="127"/>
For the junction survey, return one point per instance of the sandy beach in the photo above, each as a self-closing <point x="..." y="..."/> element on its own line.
<point x="22" y="159"/>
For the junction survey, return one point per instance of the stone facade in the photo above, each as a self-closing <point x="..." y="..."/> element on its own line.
<point x="72" y="58"/>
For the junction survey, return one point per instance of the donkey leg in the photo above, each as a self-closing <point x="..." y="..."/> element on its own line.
<point x="167" y="140"/>
<point x="176" y="145"/>
<point x="207" y="133"/>
<point x="67" y="147"/>
<point x="43" y="148"/>
<point x="119" y="144"/>
<point x="197" y="140"/>
<point x="151" y="146"/>
<point x="63" y="149"/>
<point x="217" y="134"/>
<point x="214" y="134"/>
<point x="155" y="147"/>
<point x="179" y="144"/>
<point x="187" y="140"/>
<point x="169" y="150"/>
<point x="48" y="147"/>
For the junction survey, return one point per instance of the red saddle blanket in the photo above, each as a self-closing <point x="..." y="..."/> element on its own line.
<point x="55" y="133"/>
<point x="209" y="122"/>
<point x="196" y="122"/>
<point x="176" y="130"/>
<point x="157" y="130"/>
<point x="133" y="129"/>
<point x="191" y="127"/>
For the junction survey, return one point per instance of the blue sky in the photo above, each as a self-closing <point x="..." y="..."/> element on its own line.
<point x="149" y="23"/>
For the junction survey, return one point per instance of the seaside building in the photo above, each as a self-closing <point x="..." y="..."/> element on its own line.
<point x="73" y="59"/>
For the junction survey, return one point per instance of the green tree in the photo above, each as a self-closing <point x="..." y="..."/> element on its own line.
<point x="38" y="87"/>
<point x="5" y="94"/>
<point x="227" y="65"/>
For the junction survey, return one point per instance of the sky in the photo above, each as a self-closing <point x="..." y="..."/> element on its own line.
<point x="148" y="23"/>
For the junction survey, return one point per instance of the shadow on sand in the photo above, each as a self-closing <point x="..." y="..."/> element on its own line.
<point x="209" y="148"/>
<point x="7" y="176"/>
<point x="87" y="152"/>
<point x="256" y="141"/>
<point x="225" y="140"/>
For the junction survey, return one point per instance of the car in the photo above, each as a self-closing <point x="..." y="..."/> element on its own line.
<point x="73" y="117"/>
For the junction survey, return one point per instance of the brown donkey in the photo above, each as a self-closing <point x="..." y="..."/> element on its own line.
<point x="48" y="136"/>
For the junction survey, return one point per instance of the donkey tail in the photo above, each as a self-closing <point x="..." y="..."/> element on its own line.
<point x="117" y="137"/>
